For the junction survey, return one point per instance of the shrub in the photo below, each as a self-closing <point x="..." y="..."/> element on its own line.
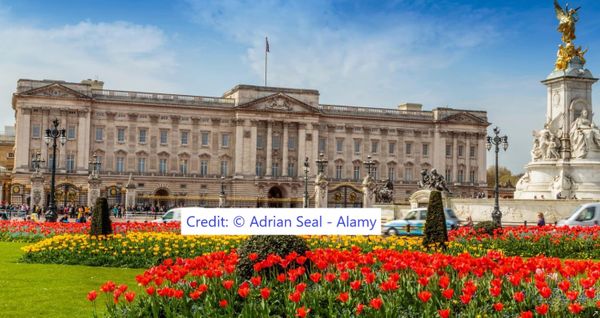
<point x="101" y="224"/>
<point x="435" y="224"/>
<point x="264" y="245"/>
<point x="487" y="227"/>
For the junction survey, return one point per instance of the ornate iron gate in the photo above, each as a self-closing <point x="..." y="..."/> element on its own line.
<point x="345" y="195"/>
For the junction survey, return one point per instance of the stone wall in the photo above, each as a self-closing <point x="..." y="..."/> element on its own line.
<point x="515" y="211"/>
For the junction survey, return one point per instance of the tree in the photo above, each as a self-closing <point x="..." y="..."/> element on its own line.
<point x="101" y="224"/>
<point x="505" y="176"/>
<point x="435" y="231"/>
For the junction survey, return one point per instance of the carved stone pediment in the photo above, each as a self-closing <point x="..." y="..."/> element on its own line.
<point x="55" y="90"/>
<point x="279" y="103"/>
<point x="463" y="118"/>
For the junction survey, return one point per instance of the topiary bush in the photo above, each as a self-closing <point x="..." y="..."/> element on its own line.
<point x="101" y="224"/>
<point x="435" y="225"/>
<point x="264" y="245"/>
<point x="487" y="227"/>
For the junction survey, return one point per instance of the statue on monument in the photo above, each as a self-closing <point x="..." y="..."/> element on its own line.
<point x="567" y="19"/>
<point x="584" y="136"/>
<point x="433" y="181"/>
<point x="545" y="145"/>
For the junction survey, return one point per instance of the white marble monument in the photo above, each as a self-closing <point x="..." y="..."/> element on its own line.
<point x="565" y="158"/>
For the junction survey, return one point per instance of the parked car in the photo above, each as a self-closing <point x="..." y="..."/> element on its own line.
<point x="584" y="215"/>
<point x="413" y="222"/>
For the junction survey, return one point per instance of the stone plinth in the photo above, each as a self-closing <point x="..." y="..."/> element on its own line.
<point x="38" y="195"/>
<point x="369" y="186"/>
<point x="321" y="191"/>
<point x="94" y="183"/>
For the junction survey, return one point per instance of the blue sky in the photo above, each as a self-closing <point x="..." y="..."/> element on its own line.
<point x="486" y="55"/>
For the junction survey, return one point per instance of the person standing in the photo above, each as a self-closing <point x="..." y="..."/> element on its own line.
<point x="541" y="220"/>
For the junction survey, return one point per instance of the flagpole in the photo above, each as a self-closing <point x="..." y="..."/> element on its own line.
<point x="266" y="52"/>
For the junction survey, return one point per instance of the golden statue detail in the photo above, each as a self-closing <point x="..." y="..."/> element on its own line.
<point x="567" y="19"/>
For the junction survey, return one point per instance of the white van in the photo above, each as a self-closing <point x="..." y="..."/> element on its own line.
<point x="173" y="215"/>
<point x="584" y="215"/>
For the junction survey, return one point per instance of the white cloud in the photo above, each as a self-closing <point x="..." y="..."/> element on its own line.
<point x="124" y="55"/>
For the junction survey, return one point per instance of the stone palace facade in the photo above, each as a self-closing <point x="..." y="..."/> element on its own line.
<point x="250" y="144"/>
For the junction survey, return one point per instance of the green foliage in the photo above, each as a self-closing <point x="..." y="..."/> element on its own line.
<point x="264" y="245"/>
<point x="504" y="175"/>
<point x="101" y="224"/>
<point x="435" y="224"/>
<point x="487" y="227"/>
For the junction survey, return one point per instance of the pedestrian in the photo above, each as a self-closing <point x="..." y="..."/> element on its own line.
<point x="541" y="220"/>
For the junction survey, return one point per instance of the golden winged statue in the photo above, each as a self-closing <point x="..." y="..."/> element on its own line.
<point x="567" y="19"/>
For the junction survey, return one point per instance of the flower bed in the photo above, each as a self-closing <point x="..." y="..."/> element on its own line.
<point x="380" y="283"/>
<point x="563" y="242"/>
<point x="145" y="249"/>
<point x="28" y="231"/>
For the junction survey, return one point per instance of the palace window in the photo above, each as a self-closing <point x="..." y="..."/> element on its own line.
<point x="356" y="173"/>
<point x="472" y="151"/>
<point x="374" y="172"/>
<point x="276" y="142"/>
<point x="35" y="131"/>
<point x="164" y="136"/>
<point x="260" y="141"/>
<point x="204" y="138"/>
<point x="448" y="150"/>
<point x="120" y="164"/>
<point x="392" y="148"/>
<point x="99" y="134"/>
<point x="184" y="138"/>
<point x="449" y="175"/>
<point x="141" y="165"/>
<point x="120" y="135"/>
<point x="291" y="169"/>
<point x="392" y="173"/>
<point x="224" y="168"/>
<point x="291" y="142"/>
<point x="472" y="175"/>
<point x="275" y="169"/>
<point x="338" y="171"/>
<point x="357" y="146"/>
<point x="143" y="135"/>
<point x="71" y="132"/>
<point x="322" y="144"/>
<point x="461" y="175"/>
<point x="224" y="140"/>
<point x="259" y="169"/>
<point x="425" y="150"/>
<point x="183" y="166"/>
<point x="204" y="168"/>
<point x="70" y="163"/>
<point x="374" y="146"/>
<point x="461" y="150"/>
<point x="339" y="145"/>
<point x="50" y="161"/>
<point x="408" y="148"/>
<point x="408" y="174"/>
<point x="162" y="165"/>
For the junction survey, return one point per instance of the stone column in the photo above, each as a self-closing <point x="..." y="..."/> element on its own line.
<point x="321" y="191"/>
<point x="315" y="143"/>
<point x="454" y="158"/>
<point x="368" y="185"/>
<point x="481" y="161"/>
<point x="269" y="148"/>
<point x="94" y="183"/>
<point x="301" y="148"/>
<point x="239" y="144"/>
<point x="251" y="170"/>
<point x="468" y="160"/>
<point x="284" y="163"/>
<point x="38" y="196"/>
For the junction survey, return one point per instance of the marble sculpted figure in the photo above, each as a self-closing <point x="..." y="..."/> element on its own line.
<point x="584" y="135"/>
<point x="433" y="181"/>
<point x="545" y="145"/>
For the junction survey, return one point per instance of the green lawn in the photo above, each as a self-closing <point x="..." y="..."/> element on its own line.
<point x="39" y="290"/>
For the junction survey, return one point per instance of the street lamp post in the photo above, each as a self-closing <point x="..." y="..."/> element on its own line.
<point x="95" y="165"/>
<point x="321" y="163"/>
<point x="496" y="141"/>
<point x="52" y="134"/>
<point x="369" y="163"/>
<point x="306" y="170"/>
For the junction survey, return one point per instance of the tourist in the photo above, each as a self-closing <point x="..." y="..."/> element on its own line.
<point x="64" y="219"/>
<point x="541" y="220"/>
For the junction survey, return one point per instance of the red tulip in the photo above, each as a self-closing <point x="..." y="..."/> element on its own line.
<point x="498" y="306"/>
<point x="526" y="314"/>
<point x="315" y="277"/>
<point x="448" y="293"/>
<point x="91" y="296"/>
<point x="302" y="312"/>
<point x="564" y="285"/>
<point x="541" y="309"/>
<point x="572" y="295"/>
<point x="376" y="303"/>
<point x="223" y="303"/>
<point x="444" y="313"/>
<point x="265" y="293"/>
<point x="444" y="282"/>
<point x="301" y="287"/>
<point x="465" y="298"/>
<point x="243" y="292"/>
<point x="545" y="292"/>
<point x="424" y="296"/>
<point x="281" y="278"/>
<point x="295" y="296"/>
<point x="343" y="297"/>
<point x="590" y="293"/>
<point x="228" y="284"/>
<point x="256" y="280"/>
<point x="129" y="296"/>
<point x="253" y="256"/>
<point x="519" y="297"/>
<point x="359" y="308"/>
<point x="355" y="285"/>
<point x="575" y="308"/>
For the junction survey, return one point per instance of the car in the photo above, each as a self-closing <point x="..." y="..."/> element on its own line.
<point x="413" y="222"/>
<point x="584" y="215"/>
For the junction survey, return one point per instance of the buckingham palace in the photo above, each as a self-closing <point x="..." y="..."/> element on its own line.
<point x="249" y="144"/>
